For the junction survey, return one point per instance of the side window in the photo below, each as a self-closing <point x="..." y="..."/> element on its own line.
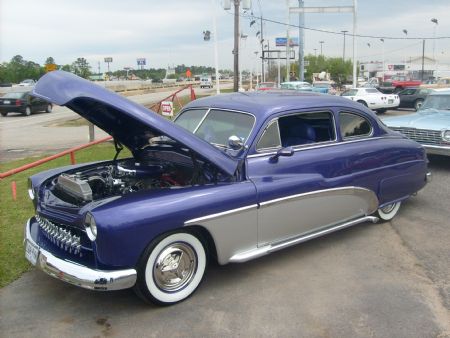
<point x="270" y="138"/>
<point x="353" y="125"/>
<point x="306" y="128"/>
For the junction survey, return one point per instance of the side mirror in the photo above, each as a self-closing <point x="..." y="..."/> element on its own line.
<point x="235" y="142"/>
<point x="285" y="152"/>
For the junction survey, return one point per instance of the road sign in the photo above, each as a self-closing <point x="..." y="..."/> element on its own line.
<point x="274" y="54"/>
<point x="281" y="42"/>
<point x="167" y="108"/>
<point x="50" y="67"/>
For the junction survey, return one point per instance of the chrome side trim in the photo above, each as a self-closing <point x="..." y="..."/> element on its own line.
<point x="220" y="214"/>
<point x="258" y="252"/>
<point x="331" y="191"/>
<point x="81" y="275"/>
<point x="331" y="144"/>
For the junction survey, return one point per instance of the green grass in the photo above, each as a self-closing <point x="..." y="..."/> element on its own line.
<point x="14" y="214"/>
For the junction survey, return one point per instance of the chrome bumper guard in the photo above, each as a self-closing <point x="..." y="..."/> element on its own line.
<point x="80" y="275"/>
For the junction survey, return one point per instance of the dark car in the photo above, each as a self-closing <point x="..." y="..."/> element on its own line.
<point x="413" y="97"/>
<point x="233" y="178"/>
<point x="24" y="103"/>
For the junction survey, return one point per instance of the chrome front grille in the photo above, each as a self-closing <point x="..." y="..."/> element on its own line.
<point x="421" y="135"/>
<point x="59" y="236"/>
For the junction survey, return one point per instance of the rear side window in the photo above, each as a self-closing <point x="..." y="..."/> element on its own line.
<point x="354" y="125"/>
<point x="297" y="130"/>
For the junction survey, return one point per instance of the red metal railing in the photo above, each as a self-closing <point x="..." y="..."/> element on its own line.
<point x="71" y="151"/>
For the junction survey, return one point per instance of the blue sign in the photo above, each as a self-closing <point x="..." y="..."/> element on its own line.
<point x="281" y="42"/>
<point x="141" y="62"/>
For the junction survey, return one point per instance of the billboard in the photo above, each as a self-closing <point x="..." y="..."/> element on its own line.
<point x="108" y="59"/>
<point x="281" y="42"/>
<point x="141" y="61"/>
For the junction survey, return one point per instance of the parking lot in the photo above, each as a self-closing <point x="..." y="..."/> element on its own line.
<point x="374" y="280"/>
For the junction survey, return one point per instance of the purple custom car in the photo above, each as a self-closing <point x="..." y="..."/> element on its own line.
<point x="235" y="177"/>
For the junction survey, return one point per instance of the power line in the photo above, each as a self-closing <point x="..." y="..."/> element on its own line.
<point x="392" y="50"/>
<point x="348" y="34"/>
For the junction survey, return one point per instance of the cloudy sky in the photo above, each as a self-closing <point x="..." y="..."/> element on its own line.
<point x="170" y="31"/>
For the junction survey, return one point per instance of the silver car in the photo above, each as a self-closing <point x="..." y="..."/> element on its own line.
<point x="430" y="126"/>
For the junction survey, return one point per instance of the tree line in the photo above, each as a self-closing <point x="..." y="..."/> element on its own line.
<point x="19" y="69"/>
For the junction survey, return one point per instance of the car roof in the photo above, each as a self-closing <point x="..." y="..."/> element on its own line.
<point x="266" y="104"/>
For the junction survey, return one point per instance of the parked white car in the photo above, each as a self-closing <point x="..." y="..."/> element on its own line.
<point x="27" y="83"/>
<point x="372" y="98"/>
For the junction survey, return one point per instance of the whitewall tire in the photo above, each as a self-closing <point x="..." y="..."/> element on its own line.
<point x="389" y="211"/>
<point x="171" y="268"/>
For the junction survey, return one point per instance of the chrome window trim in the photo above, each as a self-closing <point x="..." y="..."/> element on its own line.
<point x="359" y="136"/>
<point x="275" y="120"/>
<point x="331" y="144"/>
<point x="303" y="146"/>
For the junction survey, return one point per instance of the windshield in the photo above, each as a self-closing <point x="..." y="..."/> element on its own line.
<point x="14" y="95"/>
<point x="437" y="102"/>
<point x="216" y="126"/>
<point x="350" y="92"/>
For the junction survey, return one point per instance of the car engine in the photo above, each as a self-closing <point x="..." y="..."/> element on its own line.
<point x="118" y="178"/>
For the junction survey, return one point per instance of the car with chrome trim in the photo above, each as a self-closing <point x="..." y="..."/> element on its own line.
<point x="430" y="126"/>
<point x="233" y="178"/>
<point x="372" y="98"/>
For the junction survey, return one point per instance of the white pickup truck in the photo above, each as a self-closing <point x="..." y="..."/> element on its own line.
<point x="372" y="98"/>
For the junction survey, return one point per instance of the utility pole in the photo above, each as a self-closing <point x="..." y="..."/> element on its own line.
<point x="287" y="42"/>
<point x="236" y="46"/>
<point x="423" y="59"/>
<point x="263" y="74"/>
<point x="301" y="42"/>
<point x="343" y="53"/>
<point x="321" y="43"/>
<point x="315" y="51"/>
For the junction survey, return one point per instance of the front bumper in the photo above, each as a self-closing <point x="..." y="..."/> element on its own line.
<point x="437" y="150"/>
<point x="77" y="274"/>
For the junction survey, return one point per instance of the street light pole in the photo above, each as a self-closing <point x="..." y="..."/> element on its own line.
<point x="236" y="45"/>
<point x="216" y="47"/>
<point x="382" y="53"/>
<point x="343" y="53"/>
<point x="301" y="42"/>
<point x="321" y="43"/>
<point x="435" y="21"/>
<point x="315" y="51"/>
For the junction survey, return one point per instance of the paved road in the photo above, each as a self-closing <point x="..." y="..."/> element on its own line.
<point x="373" y="280"/>
<point x="26" y="136"/>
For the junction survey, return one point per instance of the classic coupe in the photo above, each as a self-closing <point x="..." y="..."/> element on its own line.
<point x="233" y="178"/>
<point x="372" y="98"/>
<point x="430" y="126"/>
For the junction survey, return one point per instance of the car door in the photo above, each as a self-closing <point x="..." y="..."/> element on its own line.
<point x="407" y="97"/>
<point x="303" y="190"/>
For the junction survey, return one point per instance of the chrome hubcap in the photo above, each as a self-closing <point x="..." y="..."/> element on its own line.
<point x="388" y="208"/>
<point x="175" y="267"/>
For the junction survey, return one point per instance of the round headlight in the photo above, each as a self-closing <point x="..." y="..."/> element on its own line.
<point x="446" y="135"/>
<point x="30" y="190"/>
<point x="91" y="226"/>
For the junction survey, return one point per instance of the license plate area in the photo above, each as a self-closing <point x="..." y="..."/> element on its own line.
<point x="31" y="252"/>
<point x="6" y="102"/>
<point x="390" y="101"/>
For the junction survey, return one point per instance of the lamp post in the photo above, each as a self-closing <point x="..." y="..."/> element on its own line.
<point x="315" y="51"/>
<point x="404" y="56"/>
<point x="382" y="56"/>
<point x="435" y="21"/>
<point x="343" y="53"/>
<point x="321" y="43"/>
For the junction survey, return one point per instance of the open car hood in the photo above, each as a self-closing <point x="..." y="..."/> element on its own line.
<point x="128" y="122"/>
